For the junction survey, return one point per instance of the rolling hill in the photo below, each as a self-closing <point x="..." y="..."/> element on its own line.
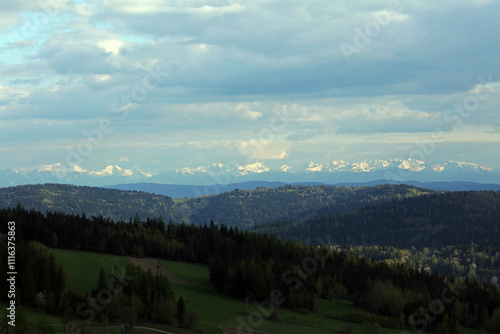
<point x="436" y="220"/>
<point x="93" y="201"/>
<point x="246" y="208"/>
<point x="237" y="208"/>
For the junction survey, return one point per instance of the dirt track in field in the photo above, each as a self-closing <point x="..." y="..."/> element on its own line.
<point x="156" y="269"/>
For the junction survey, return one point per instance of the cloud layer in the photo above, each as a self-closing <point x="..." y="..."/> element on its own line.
<point x="194" y="82"/>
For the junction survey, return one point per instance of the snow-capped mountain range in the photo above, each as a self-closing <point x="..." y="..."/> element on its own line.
<point x="219" y="173"/>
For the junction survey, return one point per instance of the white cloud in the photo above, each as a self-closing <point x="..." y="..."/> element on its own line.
<point x="85" y="9"/>
<point x="258" y="149"/>
<point x="12" y="93"/>
<point x="136" y="7"/>
<point x="112" y="45"/>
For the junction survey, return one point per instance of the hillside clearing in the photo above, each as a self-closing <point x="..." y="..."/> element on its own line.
<point x="155" y="268"/>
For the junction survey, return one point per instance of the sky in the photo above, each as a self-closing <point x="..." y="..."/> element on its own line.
<point x="161" y="84"/>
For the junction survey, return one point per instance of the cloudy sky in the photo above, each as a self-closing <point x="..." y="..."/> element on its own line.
<point x="165" y="84"/>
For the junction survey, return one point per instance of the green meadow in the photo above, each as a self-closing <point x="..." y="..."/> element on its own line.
<point x="83" y="267"/>
<point x="212" y="308"/>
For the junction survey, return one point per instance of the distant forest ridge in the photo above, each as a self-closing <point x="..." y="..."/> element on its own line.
<point x="238" y="208"/>
<point x="391" y="215"/>
<point x="452" y="218"/>
<point x="93" y="201"/>
<point x="183" y="190"/>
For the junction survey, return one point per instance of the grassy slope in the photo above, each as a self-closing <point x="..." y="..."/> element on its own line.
<point x="215" y="309"/>
<point x="83" y="267"/>
<point x="212" y="308"/>
<point x="33" y="316"/>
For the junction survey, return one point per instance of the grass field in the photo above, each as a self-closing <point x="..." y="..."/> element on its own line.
<point x="33" y="316"/>
<point x="83" y="267"/>
<point x="213" y="309"/>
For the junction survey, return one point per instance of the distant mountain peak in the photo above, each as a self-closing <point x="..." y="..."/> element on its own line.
<point x="369" y="165"/>
<point x="412" y="164"/>
<point x="106" y="171"/>
<point x="339" y="164"/>
<point x="200" y="169"/>
<point x="440" y="166"/>
<point x="256" y="167"/>
<point x="79" y="169"/>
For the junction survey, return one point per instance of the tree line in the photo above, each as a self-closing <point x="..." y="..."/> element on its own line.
<point x="480" y="262"/>
<point x="252" y="266"/>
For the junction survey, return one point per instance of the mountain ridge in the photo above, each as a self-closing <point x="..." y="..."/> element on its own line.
<point x="336" y="171"/>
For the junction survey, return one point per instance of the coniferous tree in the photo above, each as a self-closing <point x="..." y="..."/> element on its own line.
<point x="102" y="281"/>
<point x="181" y="312"/>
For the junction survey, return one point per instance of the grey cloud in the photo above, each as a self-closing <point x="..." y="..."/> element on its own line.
<point x="29" y="81"/>
<point x="77" y="59"/>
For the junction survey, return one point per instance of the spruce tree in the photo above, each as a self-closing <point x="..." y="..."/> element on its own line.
<point x="181" y="312"/>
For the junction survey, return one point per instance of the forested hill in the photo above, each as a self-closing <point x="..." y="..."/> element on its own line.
<point x="246" y="208"/>
<point x="94" y="202"/>
<point x="238" y="208"/>
<point x="428" y="221"/>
